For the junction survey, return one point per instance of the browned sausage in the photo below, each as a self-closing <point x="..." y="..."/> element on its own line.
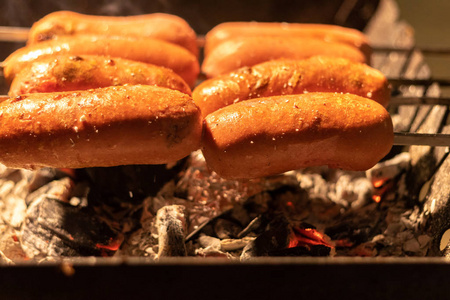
<point x="249" y="51"/>
<point x="284" y="77"/>
<point x="111" y="126"/>
<point x="268" y="136"/>
<point x="145" y="50"/>
<point x="71" y="73"/>
<point x="169" y="28"/>
<point x="331" y="33"/>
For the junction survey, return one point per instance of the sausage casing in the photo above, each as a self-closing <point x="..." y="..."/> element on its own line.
<point x="284" y="77"/>
<point x="333" y="33"/>
<point x="267" y="136"/>
<point x="111" y="126"/>
<point x="169" y="28"/>
<point x="249" y="51"/>
<point x="71" y="73"/>
<point x="146" y="50"/>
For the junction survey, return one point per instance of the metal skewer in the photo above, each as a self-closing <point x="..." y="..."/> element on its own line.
<point x="13" y="34"/>
<point x="400" y="100"/>
<point x="422" y="139"/>
<point x="400" y="138"/>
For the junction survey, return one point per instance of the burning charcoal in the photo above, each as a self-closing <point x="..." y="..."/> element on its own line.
<point x="436" y="211"/>
<point x="132" y="184"/>
<point x="226" y="229"/>
<point x="276" y="237"/>
<point x="142" y="242"/>
<point x="55" y="228"/>
<point x="171" y="226"/>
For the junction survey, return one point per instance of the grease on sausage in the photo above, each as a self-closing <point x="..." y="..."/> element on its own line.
<point x="284" y="77"/>
<point x="102" y="127"/>
<point x="69" y="73"/>
<point x="268" y="136"/>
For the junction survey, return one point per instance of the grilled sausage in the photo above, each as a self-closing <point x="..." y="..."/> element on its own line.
<point x="146" y="50"/>
<point x="103" y="127"/>
<point x="284" y="77"/>
<point x="71" y="73"/>
<point x="267" y="136"/>
<point x="241" y="52"/>
<point x="169" y="28"/>
<point x="331" y="33"/>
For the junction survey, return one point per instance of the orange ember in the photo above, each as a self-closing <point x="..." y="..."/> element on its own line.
<point x="114" y="244"/>
<point x="305" y="237"/>
<point x="380" y="182"/>
<point x="376" y="198"/>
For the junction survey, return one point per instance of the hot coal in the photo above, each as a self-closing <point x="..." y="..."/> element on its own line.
<point x="56" y="228"/>
<point x="171" y="226"/>
<point x="131" y="184"/>
<point x="275" y="238"/>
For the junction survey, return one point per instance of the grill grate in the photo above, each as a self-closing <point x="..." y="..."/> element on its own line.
<point x="270" y="278"/>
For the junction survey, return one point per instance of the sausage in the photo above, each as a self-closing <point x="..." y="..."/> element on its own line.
<point x="103" y="127"/>
<point x="240" y="52"/>
<point x="268" y="136"/>
<point x="145" y="50"/>
<point x="331" y="33"/>
<point x="70" y="73"/>
<point x="284" y="77"/>
<point x="169" y="28"/>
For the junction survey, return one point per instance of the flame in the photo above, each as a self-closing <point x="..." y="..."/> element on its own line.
<point x="379" y="182"/>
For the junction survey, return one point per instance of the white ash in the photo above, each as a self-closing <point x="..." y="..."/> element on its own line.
<point x="171" y="226"/>
<point x="5" y="260"/>
<point x="390" y="168"/>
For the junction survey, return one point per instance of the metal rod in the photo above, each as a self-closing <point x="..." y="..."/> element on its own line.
<point x="20" y="34"/>
<point x="13" y="34"/>
<point x="422" y="139"/>
<point x="398" y="101"/>
<point x="430" y="81"/>
<point x="424" y="50"/>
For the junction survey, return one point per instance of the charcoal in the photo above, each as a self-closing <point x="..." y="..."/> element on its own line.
<point x="424" y="159"/>
<point x="56" y="228"/>
<point x="436" y="214"/>
<point x="132" y="184"/>
<point x="45" y="175"/>
<point x="57" y="189"/>
<point x="171" y="226"/>
<point x="226" y="229"/>
<point x="252" y="226"/>
<point x="275" y="238"/>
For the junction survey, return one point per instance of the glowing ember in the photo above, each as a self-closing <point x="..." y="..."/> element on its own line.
<point x="305" y="237"/>
<point x="376" y="198"/>
<point x="381" y="186"/>
<point x="380" y="182"/>
<point x="113" y="245"/>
